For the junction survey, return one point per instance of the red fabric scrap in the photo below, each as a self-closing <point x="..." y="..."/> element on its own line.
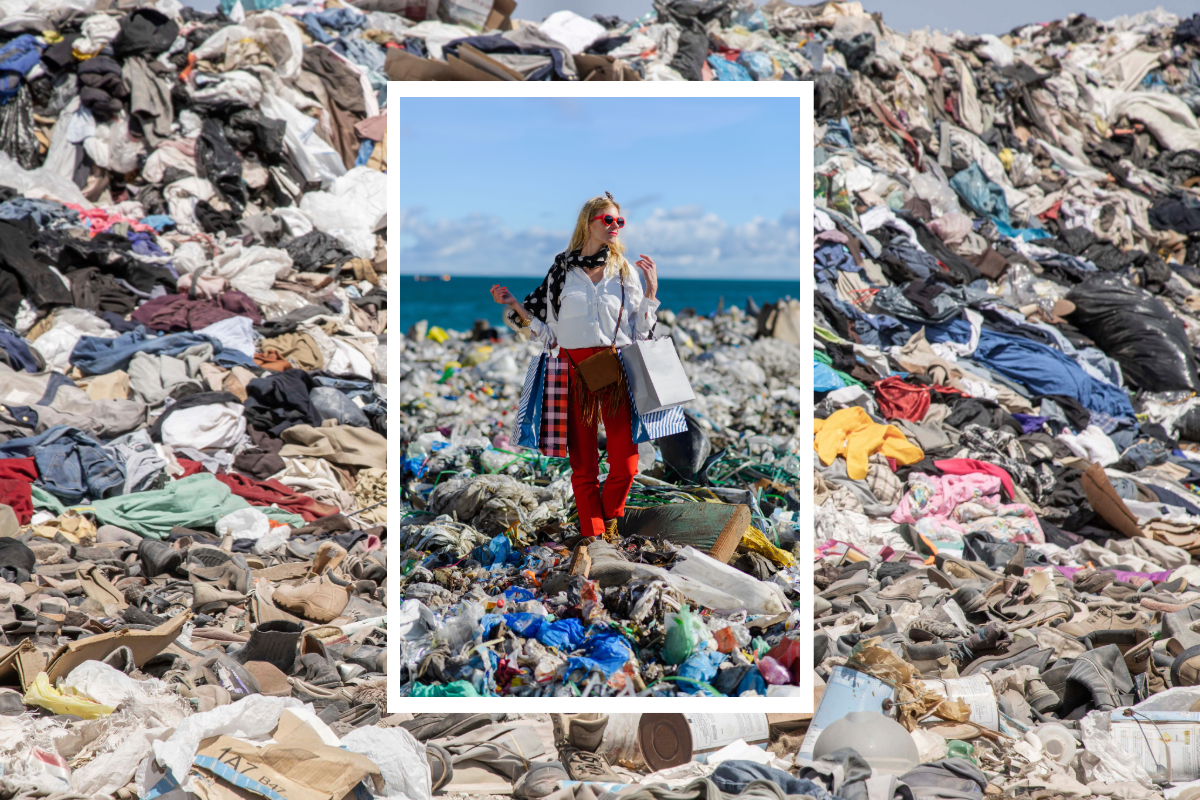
<point x="968" y="466"/>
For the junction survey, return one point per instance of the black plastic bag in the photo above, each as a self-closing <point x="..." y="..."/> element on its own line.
<point x="1133" y="327"/>
<point x="146" y="32"/>
<point x="859" y="51"/>
<point x="218" y="162"/>
<point x="685" y="453"/>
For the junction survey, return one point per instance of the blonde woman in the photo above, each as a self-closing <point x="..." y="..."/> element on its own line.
<point x="590" y="300"/>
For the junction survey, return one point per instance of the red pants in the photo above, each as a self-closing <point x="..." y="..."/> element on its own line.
<point x="583" y="452"/>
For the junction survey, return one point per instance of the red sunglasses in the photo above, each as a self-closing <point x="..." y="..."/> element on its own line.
<point x="608" y="220"/>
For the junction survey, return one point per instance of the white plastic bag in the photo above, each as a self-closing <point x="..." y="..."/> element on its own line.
<point x="247" y="523"/>
<point x="351" y="210"/>
<point x="572" y="30"/>
<point x="757" y="597"/>
<point x="400" y="758"/>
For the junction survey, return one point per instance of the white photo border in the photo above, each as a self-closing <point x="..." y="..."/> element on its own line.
<point x="802" y="91"/>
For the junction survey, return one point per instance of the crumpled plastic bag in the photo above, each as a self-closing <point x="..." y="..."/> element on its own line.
<point x="686" y="634"/>
<point x="246" y="523"/>
<point x="1102" y="759"/>
<point x="400" y="758"/>
<point x="130" y="743"/>
<point x="351" y="210"/>
<point x="253" y="716"/>
<point x="111" y="687"/>
<point x="42" y="694"/>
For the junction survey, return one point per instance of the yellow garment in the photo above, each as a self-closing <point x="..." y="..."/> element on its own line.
<point x="756" y="541"/>
<point x="852" y="433"/>
<point x="41" y="693"/>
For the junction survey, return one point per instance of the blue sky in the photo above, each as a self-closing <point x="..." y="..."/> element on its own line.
<point x="709" y="186"/>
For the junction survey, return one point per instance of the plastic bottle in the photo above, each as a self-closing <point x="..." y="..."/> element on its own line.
<point x="1057" y="741"/>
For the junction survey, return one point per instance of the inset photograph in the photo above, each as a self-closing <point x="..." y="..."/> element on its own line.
<point x="597" y="396"/>
<point x="1006" y="516"/>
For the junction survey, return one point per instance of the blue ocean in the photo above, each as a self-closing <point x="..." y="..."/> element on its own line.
<point x="458" y="302"/>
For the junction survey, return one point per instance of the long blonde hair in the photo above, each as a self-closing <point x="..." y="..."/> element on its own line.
<point x="616" y="249"/>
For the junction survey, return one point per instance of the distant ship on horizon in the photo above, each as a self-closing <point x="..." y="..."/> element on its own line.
<point x="431" y="277"/>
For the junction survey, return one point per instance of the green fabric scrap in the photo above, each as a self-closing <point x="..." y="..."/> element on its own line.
<point x="197" y="501"/>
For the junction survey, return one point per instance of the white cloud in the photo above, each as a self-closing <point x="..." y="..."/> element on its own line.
<point x="683" y="241"/>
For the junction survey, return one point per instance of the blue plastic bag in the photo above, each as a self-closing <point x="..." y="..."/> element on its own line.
<point x="825" y="379"/>
<point x="702" y="667"/>
<point x="566" y="634"/>
<point x="501" y="549"/>
<point x="754" y="21"/>
<point x="604" y="652"/>
<point x="760" y="66"/>
<point x="980" y="194"/>
<point x="518" y="595"/>
<point x="727" y="70"/>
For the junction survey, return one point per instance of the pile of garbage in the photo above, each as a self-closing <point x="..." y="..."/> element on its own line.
<point x="697" y="592"/>
<point x="1007" y="240"/>
<point x="193" y="417"/>
<point x="725" y="40"/>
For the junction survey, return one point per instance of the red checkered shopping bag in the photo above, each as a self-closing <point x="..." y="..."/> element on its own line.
<point x="554" y="409"/>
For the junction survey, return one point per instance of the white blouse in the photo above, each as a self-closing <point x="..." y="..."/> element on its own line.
<point x="588" y="313"/>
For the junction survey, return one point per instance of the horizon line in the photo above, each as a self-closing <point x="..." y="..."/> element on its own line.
<point x="443" y="275"/>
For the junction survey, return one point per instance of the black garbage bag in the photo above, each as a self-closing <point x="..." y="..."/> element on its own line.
<point x="685" y="453"/>
<point x="1188" y="426"/>
<point x="1136" y="329"/>
<point x="146" y="32"/>
<point x="859" y="51"/>
<point x="249" y="129"/>
<point x="831" y="94"/>
<point x="218" y="162"/>
<point x="692" y="16"/>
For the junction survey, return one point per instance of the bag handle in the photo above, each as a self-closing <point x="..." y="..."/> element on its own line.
<point x="617" y="330"/>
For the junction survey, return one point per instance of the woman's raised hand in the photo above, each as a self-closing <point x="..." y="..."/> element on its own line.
<point x="502" y="295"/>
<point x="650" y="271"/>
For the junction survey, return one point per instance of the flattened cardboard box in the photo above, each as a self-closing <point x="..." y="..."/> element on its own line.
<point x="298" y="766"/>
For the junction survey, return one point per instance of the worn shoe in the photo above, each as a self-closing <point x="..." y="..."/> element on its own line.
<point x="363" y="655"/>
<point x="271" y="681"/>
<point x="158" y="558"/>
<point x="541" y="780"/>
<point x="1106" y="619"/>
<point x="273" y="642"/>
<point x="584" y="766"/>
<point x="579" y="731"/>
<point x="1040" y="697"/>
<point x="320" y="599"/>
<point x="329" y="557"/>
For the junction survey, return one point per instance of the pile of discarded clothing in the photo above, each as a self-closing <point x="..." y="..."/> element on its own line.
<point x="1007" y="237"/>
<point x="193" y="412"/>
<point x="697" y="592"/>
<point x="723" y="40"/>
